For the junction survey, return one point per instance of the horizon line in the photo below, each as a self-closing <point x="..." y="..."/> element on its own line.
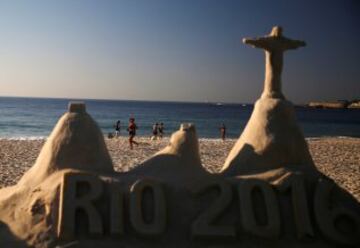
<point x="129" y="100"/>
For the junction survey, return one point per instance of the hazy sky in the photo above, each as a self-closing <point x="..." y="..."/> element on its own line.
<point x="175" y="50"/>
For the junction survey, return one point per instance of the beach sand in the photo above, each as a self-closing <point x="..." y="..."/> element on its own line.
<point x="338" y="158"/>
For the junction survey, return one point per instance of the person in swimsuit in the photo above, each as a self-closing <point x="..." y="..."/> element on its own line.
<point x="161" y="130"/>
<point x="132" y="132"/>
<point x="155" y="131"/>
<point x="223" y="131"/>
<point x="117" y="127"/>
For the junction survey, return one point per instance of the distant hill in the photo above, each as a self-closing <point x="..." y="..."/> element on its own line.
<point x="339" y="104"/>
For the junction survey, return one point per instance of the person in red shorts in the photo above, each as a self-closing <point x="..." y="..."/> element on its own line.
<point x="132" y="132"/>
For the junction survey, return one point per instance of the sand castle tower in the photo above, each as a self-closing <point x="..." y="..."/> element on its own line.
<point x="271" y="139"/>
<point x="76" y="142"/>
<point x="178" y="162"/>
<point x="29" y="209"/>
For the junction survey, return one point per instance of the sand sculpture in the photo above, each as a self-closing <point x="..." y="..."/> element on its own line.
<point x="274" y="44"/>
<point x="271" y="138"/>
<point x="268" y="195"/>
<point x="75" y="142"/>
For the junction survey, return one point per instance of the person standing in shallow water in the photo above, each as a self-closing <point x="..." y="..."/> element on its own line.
<point x="132" y="132"/>
<point x="117" y="128"/>
<point x="155" y="128"/>
<point x="223" y="131"/>
<point x="161" y="130"/>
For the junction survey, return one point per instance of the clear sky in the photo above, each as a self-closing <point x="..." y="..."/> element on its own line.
<point x="175" y="50"/>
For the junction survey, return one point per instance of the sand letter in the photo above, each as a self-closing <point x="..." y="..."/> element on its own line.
<point x="116" y="210"/>
<point x="337" y="223"/>
<point x="269" y="228"/>
<point x="142" y="224"/>
<point x="203" y="226"/>
<point x="78" y="192"/>
<point x="296" y="184"/>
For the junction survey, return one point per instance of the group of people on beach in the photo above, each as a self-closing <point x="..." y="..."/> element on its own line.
<point x="157" y="131"/>
<point x="132" y="127"/>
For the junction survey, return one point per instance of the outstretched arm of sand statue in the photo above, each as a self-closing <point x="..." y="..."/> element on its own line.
<point x="293" y="44"/>
<point x="257" y="42"/>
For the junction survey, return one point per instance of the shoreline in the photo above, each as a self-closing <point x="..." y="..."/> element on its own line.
<point x="336" y="157"/>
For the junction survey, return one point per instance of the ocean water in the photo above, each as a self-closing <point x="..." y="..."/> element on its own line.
<point x="32" y="118"/>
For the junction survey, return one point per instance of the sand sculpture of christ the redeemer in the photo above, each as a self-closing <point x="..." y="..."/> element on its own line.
<point x="274" y="45"/>
<point x="271" y="138"/>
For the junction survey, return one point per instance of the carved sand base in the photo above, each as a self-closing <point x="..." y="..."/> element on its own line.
<point x="171" y="200"/>
<point x="271" y="139"/>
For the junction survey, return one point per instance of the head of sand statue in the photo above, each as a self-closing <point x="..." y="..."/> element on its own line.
<point x="268" y="194"/>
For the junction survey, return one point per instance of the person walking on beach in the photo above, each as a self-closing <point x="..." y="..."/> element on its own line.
<point x="155" y="128"/>
<point x="161" y="130"/>
<point x="132" y="132"/>
<point x="223" y="131"/>
<point x="117" y="127"/>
